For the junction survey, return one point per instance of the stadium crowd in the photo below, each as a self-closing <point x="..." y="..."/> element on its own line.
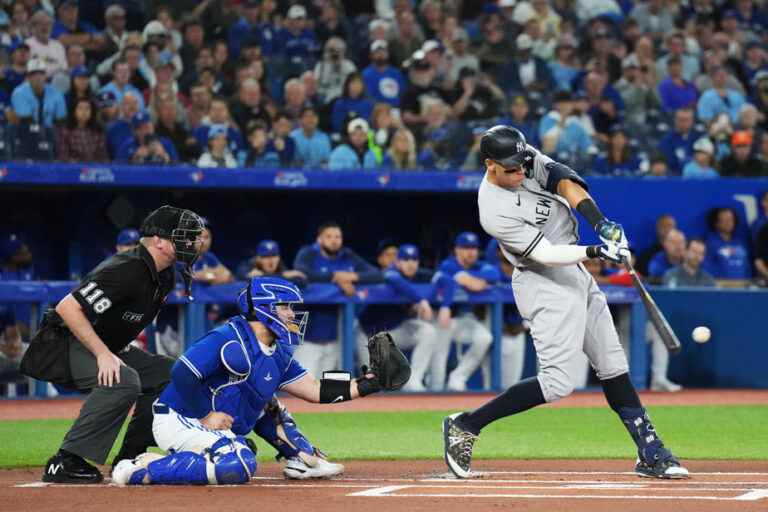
<point x="654" y="87"/>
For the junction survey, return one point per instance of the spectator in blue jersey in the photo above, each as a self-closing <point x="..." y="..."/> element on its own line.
<point x="16" y="72"/>
<point x="353" y="101"/>
<point x="618" y="159"/>
<point x="675" y="91"/>
<point x="36" y="102"/>
<point x="671" y="255"/>
<point x="119" y="130"/>
<point x="561" y="132"/>
<point x="259" y="153"/>
<point x="727" y="255"/>
<point x="702" y="165"/>
<point x="462" y="272"/>
<point x="565" y="66"/>
<point x="143" y="146"/>
<point x="313" y="147"/>
<point x="384" y="82"/>
<point x="675" y="43"/>
<point x="296" y="43"/>
<point x="353" y="154"/>
<point x="267" y="261"/>
<point x="755" y="61"/>
<point x="328" y="261"/>
<point x="121" y="83"/>
<point x="677" y="144"/>
<point x="208" y="268"/>
<point x="751" y="15"/>
<point x="280" y="139"/>
<point x="720" y="99"/>
<point x="127" y="239"/>
<point x="219" y="115"/>
<point x="411" y="323"/>
<point x="69" y="29"/>
<point x="16" y="264"/>
<point x="218" y="154"/>
<point x="246" y="29"/>
<point x="520" y="117"/>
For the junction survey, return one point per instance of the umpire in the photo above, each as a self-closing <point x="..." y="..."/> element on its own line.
<point x="84" y="344"/>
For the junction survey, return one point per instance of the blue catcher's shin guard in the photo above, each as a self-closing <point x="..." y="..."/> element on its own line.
<point x="233" y="461"/>
<point x="178" y="468"/>
<point x="641" y="429"/>
<point x="279" y="429"/>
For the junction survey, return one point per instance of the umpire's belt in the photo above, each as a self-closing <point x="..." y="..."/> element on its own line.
<point x="160" y="408"/>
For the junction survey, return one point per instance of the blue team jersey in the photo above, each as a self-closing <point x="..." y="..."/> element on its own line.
<point x="727" y="260"/>
<point x="208" y="259"/>
<point x="444" y="281"/>
<point x="240" y="390"/>
<point x="387" y="317"/>
<point x="384" y="86"/>
<point x="659" y="264"/>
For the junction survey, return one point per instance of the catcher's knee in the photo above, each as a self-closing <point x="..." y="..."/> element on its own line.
<point x="233" y="461"/>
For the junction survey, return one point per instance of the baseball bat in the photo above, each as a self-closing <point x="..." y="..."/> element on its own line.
<point x="654" y="313"/>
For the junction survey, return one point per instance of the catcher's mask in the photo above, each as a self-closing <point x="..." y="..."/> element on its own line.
<point x="259" y="301"/>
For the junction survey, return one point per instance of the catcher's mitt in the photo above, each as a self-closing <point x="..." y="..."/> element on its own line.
<point x="388" y="363"/>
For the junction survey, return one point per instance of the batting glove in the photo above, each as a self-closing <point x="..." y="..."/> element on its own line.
<point x="609" y="252"/>
<point x="611" y="233"/>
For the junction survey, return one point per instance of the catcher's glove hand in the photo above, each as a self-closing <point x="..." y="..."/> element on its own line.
<point x="389" y="366"/>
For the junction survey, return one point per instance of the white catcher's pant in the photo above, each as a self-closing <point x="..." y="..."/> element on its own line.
<point x="466" y="329"/>
<point x="319" y="357"/>
<point x="414" y="333"/>
<point x="176" y="432"/>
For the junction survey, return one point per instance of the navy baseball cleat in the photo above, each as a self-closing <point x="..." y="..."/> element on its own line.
<point x="665" y="465"/>
<point x="457" y="446"/>
<point x="66" y="468"/>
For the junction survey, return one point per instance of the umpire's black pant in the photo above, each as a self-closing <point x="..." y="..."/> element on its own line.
<point x="141" y="380"/>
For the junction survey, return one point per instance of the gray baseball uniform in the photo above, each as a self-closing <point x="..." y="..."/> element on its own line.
<point x="566" y="310"/>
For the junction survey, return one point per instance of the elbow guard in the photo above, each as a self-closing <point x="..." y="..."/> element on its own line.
<point x="557" y="172"/>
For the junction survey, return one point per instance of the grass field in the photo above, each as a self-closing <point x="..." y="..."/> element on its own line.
<point x="693" y="432"/>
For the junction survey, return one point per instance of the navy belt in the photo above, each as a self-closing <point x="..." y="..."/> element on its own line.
<point x="160" y="409"/>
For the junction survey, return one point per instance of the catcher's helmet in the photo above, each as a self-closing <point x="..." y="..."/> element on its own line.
<point x="505" y="145"/>
<point x="259" y="300"/>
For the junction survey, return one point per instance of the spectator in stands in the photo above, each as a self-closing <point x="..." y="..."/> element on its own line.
<point x="677" y="145"/>
<point x="37" y="103"/>
<point x="79" y="87"/>
<point x="441" y="138"/>
<point x="675" y="91"/>
<point x="464" y="270"/>
<point x="664" y="224"/>
<point x="208" y="268"/>
<point x="761" y="255"/>
<point x="383" y="82"/>
<point x="720" y="99"/>
<point x="294" y="97"/>
<point x="713" y="59"/>
<point x="353" y="101"/>
<point x="478" y="97"/>
<point x="120" y="84"/>
<point x="246" y="29"/>
<point x="15" y="259"/>
<point x="218" y="153"/>
<point x="386" y="253"/>
<point x="520" y="117"/>
<point x="462" y="56"/>
<point x="331" y="24"/>
<point x="383" y="127"/>
<point x="421" y="77"/>
<point x="115" y="34"/>
<point x="169" y="126"/>
<point x="472" y="160"/>
<point x="762" y="217"/>
<point x="637" y="92"/>
<point x="249" y="105"/>
<point x="313" y="147"/>
<point x="760" y="92"/>
<point x="654" y="18"/>
<point x="332" y="71"/>
<point x="658" y="166"/>
<point x="495" y="49"/>
<point x="353" y="154"/>
<point x="408" y="36"/>
<point x="328" y="261"/>
<point x="689" y="273"/>
<point x="119" y="130"/>
<point x="564" y="68"/>
<point x="127" y="239"/>
<point x="296" y="43"/>
<point x="742" y="162"/>
<point x="671" y="256"/>
<point x="143" y="146"/>
<point x="43" y="47"/>
<point x="268" y="262"/>
<point x="526" y="73"/>
<point x="259" y="154"/>
<point x="199" y="106"/>
<point x="561" y="132"/>
<point x="618" y="159"/>
<point x="675" y="43"/>
<point x="402" y="151"/>
<point x="309" y="81"/>
<point x="70" y="30"/>
<point x="727" y="255"/>
<point x="281" y="141"/>
<point x="219" y="115"/>
<point x="193" y="33"/>
<point x="19" y="28"/>
<point x="16" y="73"/>
<point x="703" y="159"/>
<point x="755" y="60"/>
<point x="82" y="138"/>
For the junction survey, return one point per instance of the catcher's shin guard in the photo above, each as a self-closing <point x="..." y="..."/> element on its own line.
<point x="278" y="428"/>
<point x="179" y="468"/>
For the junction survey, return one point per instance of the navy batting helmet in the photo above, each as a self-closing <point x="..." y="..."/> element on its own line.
<point x="505" y="145"/>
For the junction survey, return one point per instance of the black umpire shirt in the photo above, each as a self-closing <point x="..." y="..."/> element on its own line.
<point x="122" y="295"/>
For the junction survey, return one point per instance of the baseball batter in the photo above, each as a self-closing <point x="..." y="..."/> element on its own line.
<point x="525" y="202"/>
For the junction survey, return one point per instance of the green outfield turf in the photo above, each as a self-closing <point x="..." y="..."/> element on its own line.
<point x="693" y="432"/>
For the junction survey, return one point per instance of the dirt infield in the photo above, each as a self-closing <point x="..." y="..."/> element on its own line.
<point x="69" y="407"/>
<point x="520" y="485"/>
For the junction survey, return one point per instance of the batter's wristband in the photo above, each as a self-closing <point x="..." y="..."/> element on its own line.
<point x="589" y="210"/>
<point x="593" y="251"/>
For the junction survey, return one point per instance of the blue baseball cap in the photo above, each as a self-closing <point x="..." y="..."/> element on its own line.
<point x="79" y="71"/>
<point x="10" y="243"/>
<point x="467" y="239"/>
<point x="215" y="130"/>
<point x="128" y="236"/>
<point x="106" y="99"/>
<point x="268" y="248"/>
<point x="139" y="119"/>
<point x="408" y="252"/>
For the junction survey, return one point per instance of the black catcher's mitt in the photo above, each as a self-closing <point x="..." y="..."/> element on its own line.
<point x="388" y="363"/>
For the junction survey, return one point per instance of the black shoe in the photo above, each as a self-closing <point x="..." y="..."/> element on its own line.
<point x="457" y="446"/>
<point x="665" y="465"/>
<point x="70" y="469"/>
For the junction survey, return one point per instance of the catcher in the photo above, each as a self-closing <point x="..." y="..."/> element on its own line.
<point x="222" y="388"/>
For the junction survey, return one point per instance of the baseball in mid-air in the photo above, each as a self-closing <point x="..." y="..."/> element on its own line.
<point x="701" y="334"/>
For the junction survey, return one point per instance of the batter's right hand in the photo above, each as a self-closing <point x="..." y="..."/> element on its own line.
<point x="217" y="421"/>
<point x="612" y="252"/>
<point x="109" y="368"/>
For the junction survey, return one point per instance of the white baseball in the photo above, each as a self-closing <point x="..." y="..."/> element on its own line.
<point x="701" y="334"/>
